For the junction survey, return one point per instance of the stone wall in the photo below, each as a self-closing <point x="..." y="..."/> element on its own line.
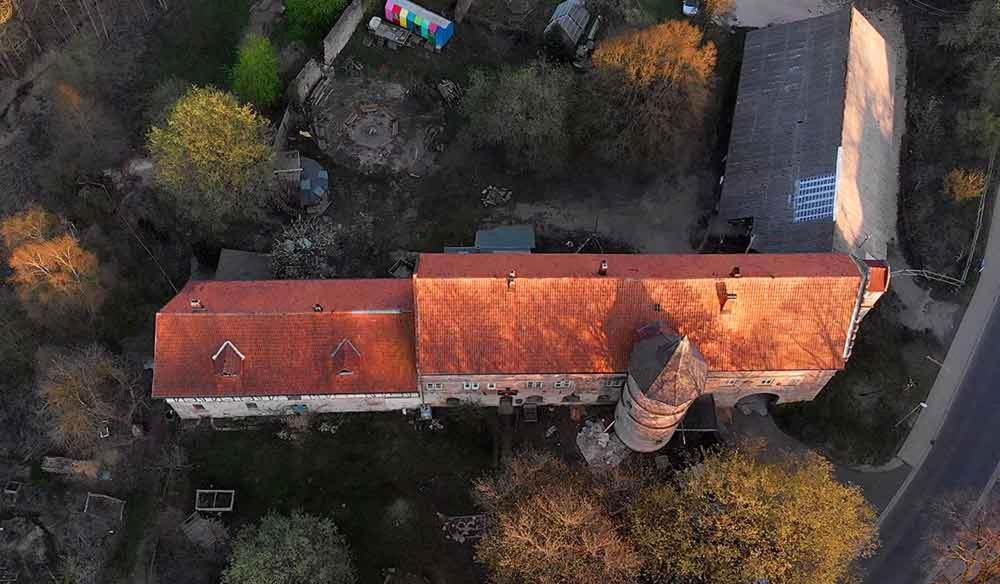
<point x="305" y="81"/>
<point x="341" y="32"/>
<point x="645" y="424"/>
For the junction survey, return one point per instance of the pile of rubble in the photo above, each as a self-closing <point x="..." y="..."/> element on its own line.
<point x="493" y="196"/>
<point x="599" y="447"/>
<point x="450" y="91"/>
<point x="463" y="528"/>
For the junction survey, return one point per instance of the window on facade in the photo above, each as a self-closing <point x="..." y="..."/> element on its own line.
<point x="604" y="397"/>
<point x="534" y="385"/>
<point x="434" y="386"/>
<point x="198" y="407"/>
<point x="733" y="382"/>
<point x="469" y="385"/>
<point x="562" y="384"/>
<point x="251" y="406"/>
<point x="491" y="386"/>
<point x="613" y="382"/>
<point x="767" y="382"/>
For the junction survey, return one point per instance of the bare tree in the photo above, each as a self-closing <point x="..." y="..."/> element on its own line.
<point x="85" y="390"/>
<point x="971" y="555"/>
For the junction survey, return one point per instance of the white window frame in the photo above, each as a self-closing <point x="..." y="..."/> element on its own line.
<point x="470" y="385"/>
<point x="534" y="385"/>
<point x="768" y="381"/>
<point x="491" y="386"/>
<point x="614" y="382"/>
<point x="563" y="384"/>
<point x="432" y="386"/>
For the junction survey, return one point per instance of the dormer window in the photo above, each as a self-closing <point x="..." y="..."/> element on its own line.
<point x="228" y="360"/>
<point x="346" y="358"/>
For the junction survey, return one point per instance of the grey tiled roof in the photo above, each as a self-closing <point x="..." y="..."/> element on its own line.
<point x="787" y="126"/>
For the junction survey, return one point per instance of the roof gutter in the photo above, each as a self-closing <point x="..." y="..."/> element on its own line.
<point x="852" y="329"/>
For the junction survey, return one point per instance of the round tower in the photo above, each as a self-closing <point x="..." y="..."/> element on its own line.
<point x="666" y="374"/>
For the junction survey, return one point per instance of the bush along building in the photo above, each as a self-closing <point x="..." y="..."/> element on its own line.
<point x="532" y="328"/>
<point x="812" y="155"/>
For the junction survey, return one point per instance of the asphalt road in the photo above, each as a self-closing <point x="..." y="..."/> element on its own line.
<point x="960" y="465"/>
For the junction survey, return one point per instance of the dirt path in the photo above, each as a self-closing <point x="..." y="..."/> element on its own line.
<point x="760" y="13"/>
<point x="657" y="219"/>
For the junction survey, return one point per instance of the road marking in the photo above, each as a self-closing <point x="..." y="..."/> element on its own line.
<point x="981" y="501"/>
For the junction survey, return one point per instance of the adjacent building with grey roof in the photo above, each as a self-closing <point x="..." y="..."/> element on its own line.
<point x="812" y="155"/>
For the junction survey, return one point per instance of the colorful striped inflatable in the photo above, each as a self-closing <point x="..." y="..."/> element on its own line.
<point x="408" y="15"/>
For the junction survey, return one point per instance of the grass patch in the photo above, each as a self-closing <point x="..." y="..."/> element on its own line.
<point x="140" y="513"/>
<point x="855" y="417"/>
<point x="382" y="480"/>
<point x="662" y="9"/>
<point x="198" y="43"/>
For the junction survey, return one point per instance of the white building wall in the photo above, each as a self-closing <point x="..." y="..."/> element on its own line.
<point x="486" y="390"/>
<point x="241" y="407"/>
<point x="728" y="387"/>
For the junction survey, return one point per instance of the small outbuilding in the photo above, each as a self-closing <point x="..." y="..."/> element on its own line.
<point x="503" y="239"/>
<point x="436" y="29"/>
<point x="569" y="21"/>
<point x="813" y="154"/>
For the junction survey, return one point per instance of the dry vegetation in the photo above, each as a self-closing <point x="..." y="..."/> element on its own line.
<point x="953" y="122"/>
<point x="551" y="523"/>
<point x="730" y="519"/>
<point x="968" y="545"/>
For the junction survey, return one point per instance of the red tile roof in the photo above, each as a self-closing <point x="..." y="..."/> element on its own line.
<point x="284" y="296"/>
<point x="878" y="275"/>
<point x="790" y="312"/>
<point x="288" y="348"/>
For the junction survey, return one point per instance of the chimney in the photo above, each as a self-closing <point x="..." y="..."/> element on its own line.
<point x="735" y="273"/>
<point x="317" y="307"/>
<point x="603" y="270"/>
<point x="196" y="305"/>
<point x="511" y="277"/>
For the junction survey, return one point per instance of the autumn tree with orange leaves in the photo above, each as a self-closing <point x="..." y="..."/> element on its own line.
<point x="54" y="275"/>
<point x="646" y="99"/>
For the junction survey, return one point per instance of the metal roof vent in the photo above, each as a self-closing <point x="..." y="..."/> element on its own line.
<point x="603" y="270"/>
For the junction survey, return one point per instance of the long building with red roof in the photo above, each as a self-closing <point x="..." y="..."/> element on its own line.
<point x="537" y="328"/>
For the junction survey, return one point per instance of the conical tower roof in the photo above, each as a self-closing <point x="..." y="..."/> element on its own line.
<point x="668" y="368"/>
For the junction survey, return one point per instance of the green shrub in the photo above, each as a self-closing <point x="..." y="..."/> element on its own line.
<point x="522" y="111"/>
<point x="310" y="20"/>
<point x="255" y="77"/>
